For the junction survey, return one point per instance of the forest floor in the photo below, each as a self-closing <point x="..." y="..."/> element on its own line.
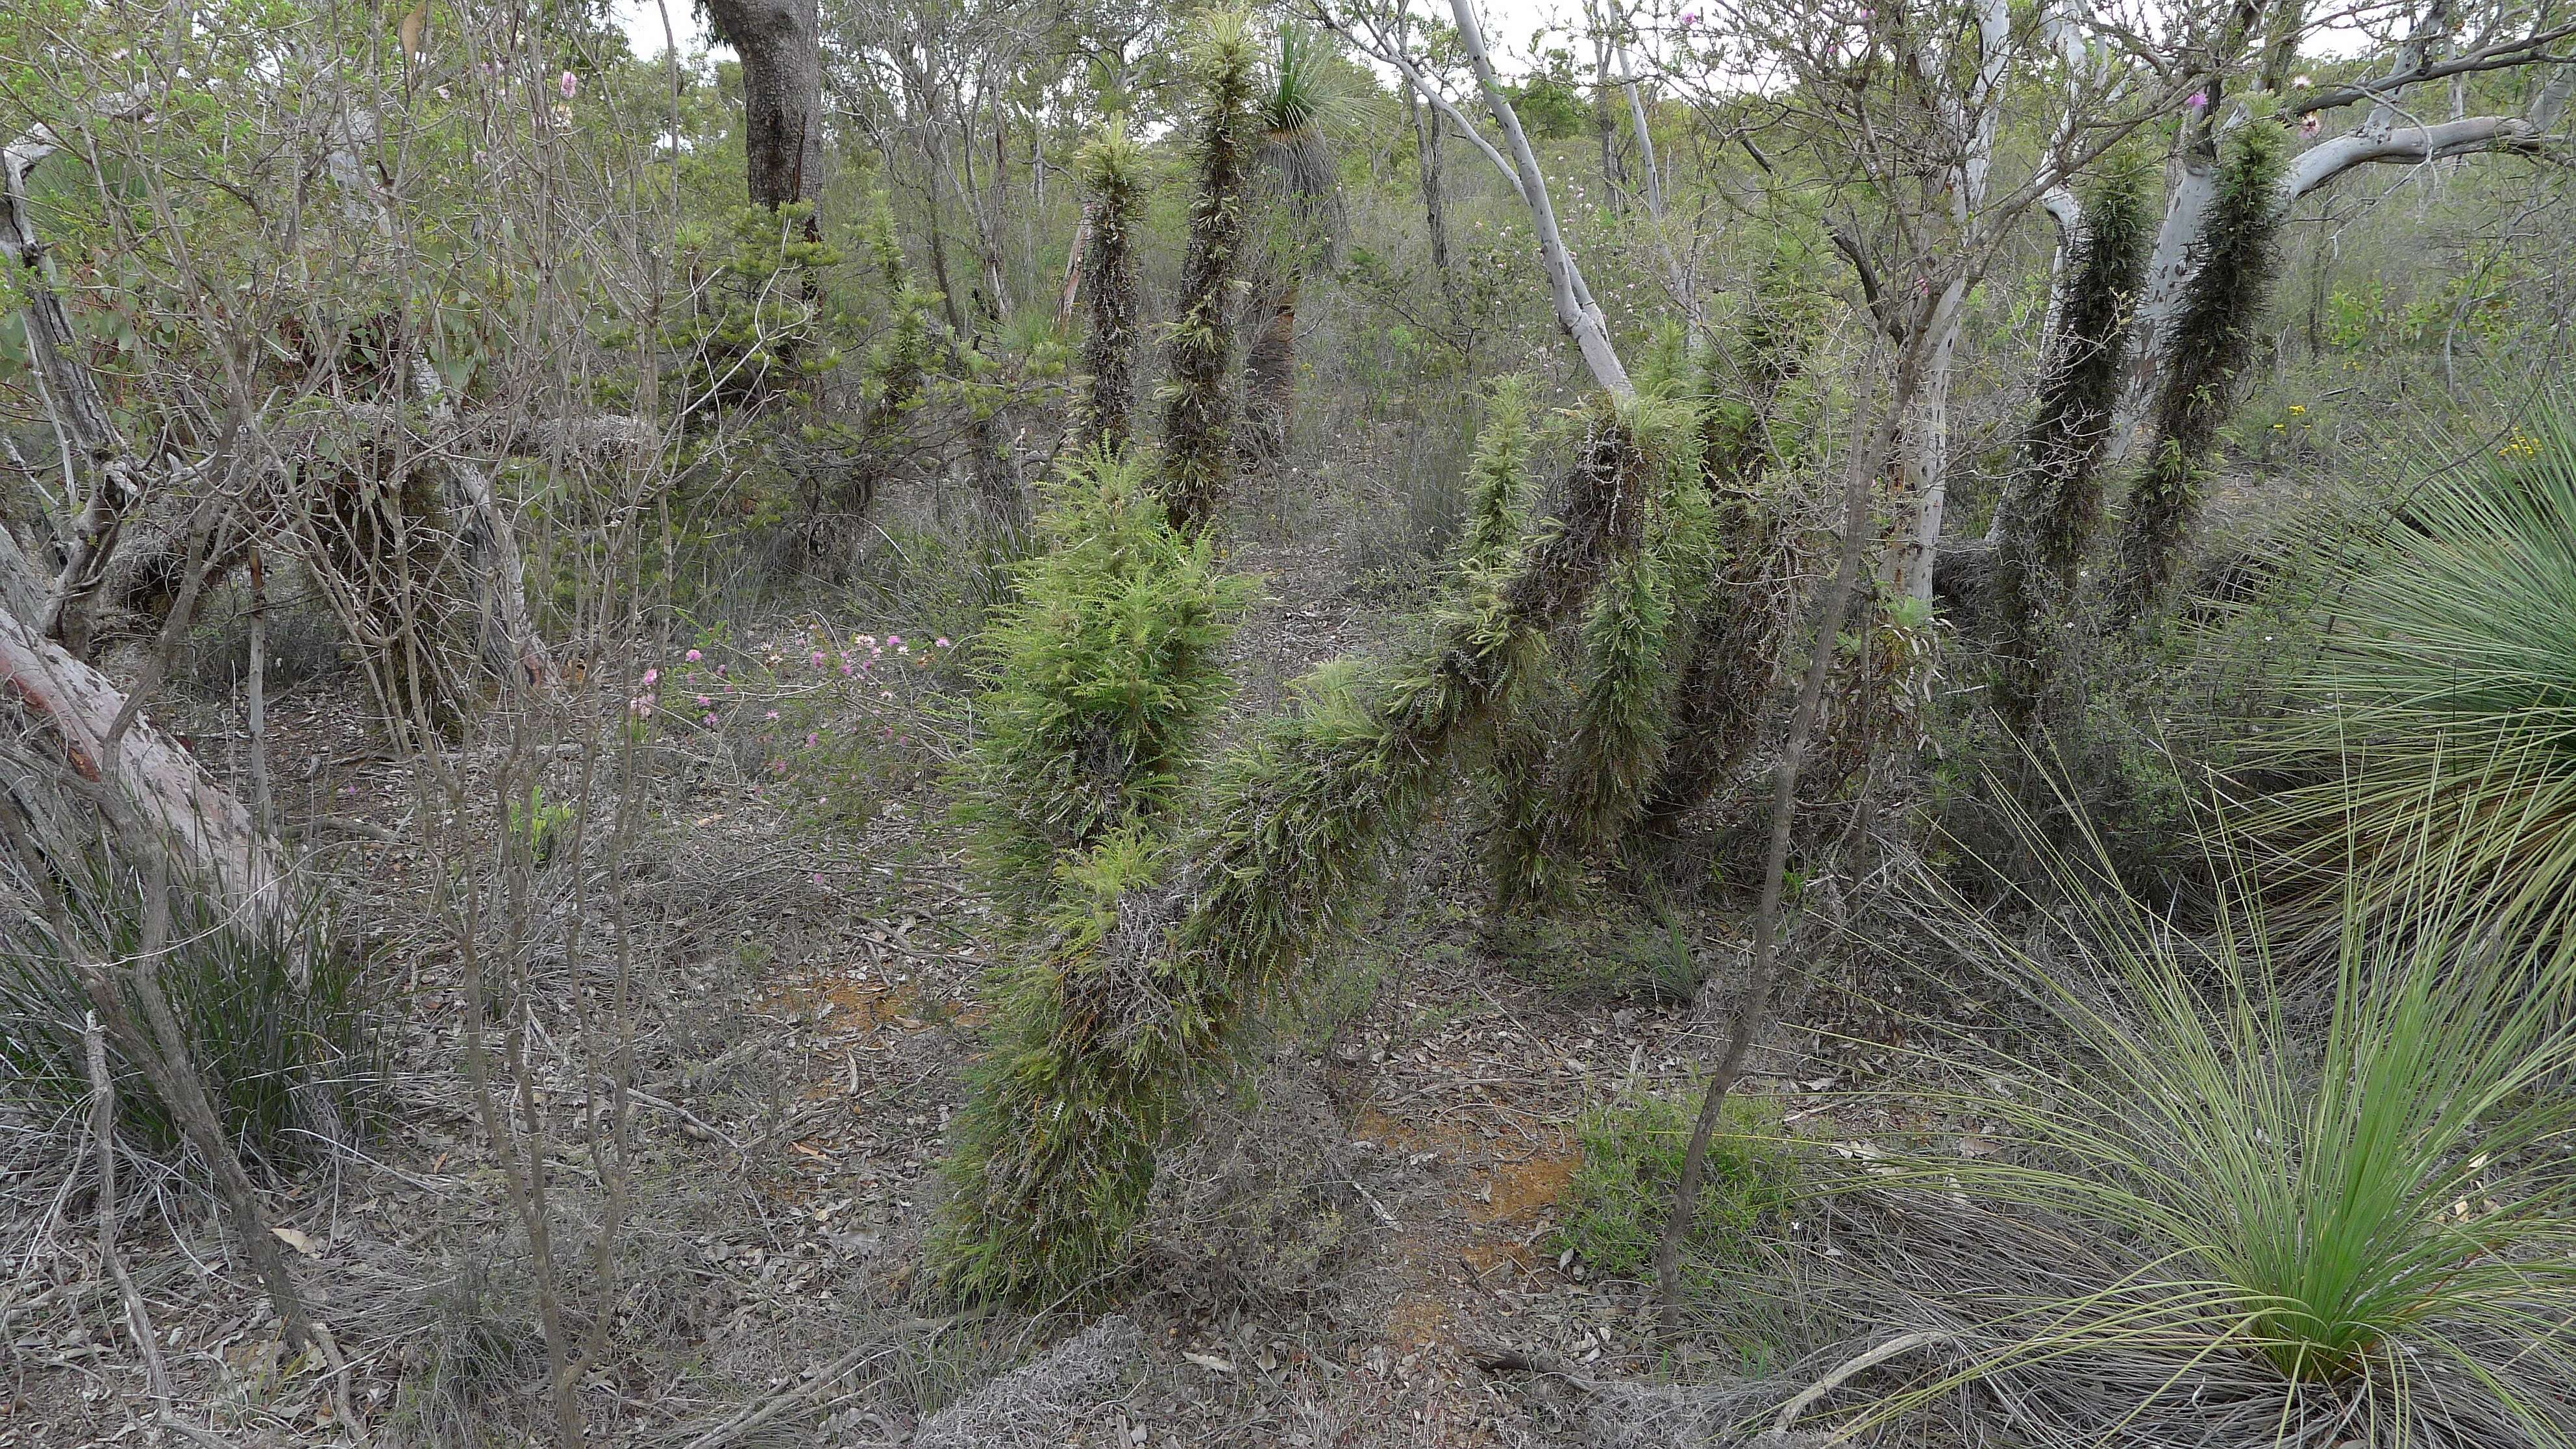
<point x="1370" y="1208"/>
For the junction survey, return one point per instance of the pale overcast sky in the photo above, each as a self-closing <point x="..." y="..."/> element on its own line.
<point x="1508" y="23"/>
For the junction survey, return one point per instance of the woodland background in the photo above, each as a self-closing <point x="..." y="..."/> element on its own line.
<point x="1748" y="721"/>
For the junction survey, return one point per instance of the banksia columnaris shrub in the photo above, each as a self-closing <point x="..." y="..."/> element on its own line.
<point x="2051" y="510"/>
<point x="1156" y="957"/>
<point x="1102" y="676"/>
<point x="1498" y="477"/>
<point x="1616" y="722"/>
<point x="1112" y="168"/>
<point x="1198" y="400"/>
<point x="2212" y="338"/>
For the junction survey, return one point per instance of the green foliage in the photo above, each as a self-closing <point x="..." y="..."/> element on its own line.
<point x="2054" y="505"/>
<point x="1148" y="971"/>
<point x="1198" y="401"/>
<point x="2377" y="1199"/>
<point x="1100" y="678"/>
<point x="538" y="826"/>
<point x="894" y="376"/>
<point x="1617" y="722"/>
<point x="1550" y="102"/>
<point x="260" y="1043"/>
<point x="1111" y="166"/>
<point x="1632" y="1156"/>
<point x="1498" y="478"/>
<point x="2444" y="707"/>
<point x="2213" y="336"/>
<point x="754" y="332"/>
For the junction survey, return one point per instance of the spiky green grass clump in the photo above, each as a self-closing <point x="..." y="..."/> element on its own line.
<point x="263" y="1042"/>
<point x="1632" y="1155"/>
<point x="1112" y="168"/>
<point x="1198" y="401"/>
<point x="2368" y="1196"/>
<point x="2053" y="508"/>
<point x="1101" y="677"/>
<point x="2445" y="703"/>
<point x="1148" y="973"/>
<point x="2222" y="307"/>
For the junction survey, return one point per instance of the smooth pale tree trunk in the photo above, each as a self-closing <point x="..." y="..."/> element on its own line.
<point x="1576" y="312"/>
<point x="2387" y="137"/>
<point x="1924" y="452"/>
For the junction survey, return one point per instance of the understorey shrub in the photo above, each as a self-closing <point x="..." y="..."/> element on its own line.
<point x="261" y="1042"/>
<point x="1614" y="1208"/>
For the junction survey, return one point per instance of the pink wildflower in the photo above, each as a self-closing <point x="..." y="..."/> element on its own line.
<point x="569" y="84"/>
<point x="694" y="656"/>
<point x="703" y="701"/>
<point x="773" y="714"/>
<point x="2197" y="100"/>
<point x="812" y="738"/>
<point x="710" y="720"/>
<point x="652" y="677"/>
<point x="941" y="642"/>
<point x="818" y="658"/>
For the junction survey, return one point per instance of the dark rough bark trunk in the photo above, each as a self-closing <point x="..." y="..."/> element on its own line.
<point x="112" y="475"/>
<point x="780" y="43"/>
<point x="1270" y="380"/>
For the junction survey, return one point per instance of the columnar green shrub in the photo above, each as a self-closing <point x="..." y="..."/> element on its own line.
<point x="1112" y="169"/>
<point x="895" y="374"/>
<point x="1615" y="724"/>
<point x="2212" y="338"/>
<point x="1725" y="669"/>
<point x="1198" y="401"/>
<point x="755" y="330"/>
<point x="1153" y="962"/>
<point x="1498" y="478"/>
<point x="1100" y="679"/>
<point x="2054" y="505"/>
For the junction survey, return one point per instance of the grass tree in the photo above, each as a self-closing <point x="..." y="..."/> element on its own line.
<point x="1155" y="955"/>
<point x="1305" y="224"/>
<point x="1198" y="400"/>
<point x="2213" y="336"/>
<point x="2053" y="508"/>
<point x="1112" y="168"/>
<point x="2443" y="704"/>
<point x="2289" y="1215"/>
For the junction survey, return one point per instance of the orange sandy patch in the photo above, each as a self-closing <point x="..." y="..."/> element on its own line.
<point x="1417" y="1319"/>
<point x="1519" y="1190"/>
